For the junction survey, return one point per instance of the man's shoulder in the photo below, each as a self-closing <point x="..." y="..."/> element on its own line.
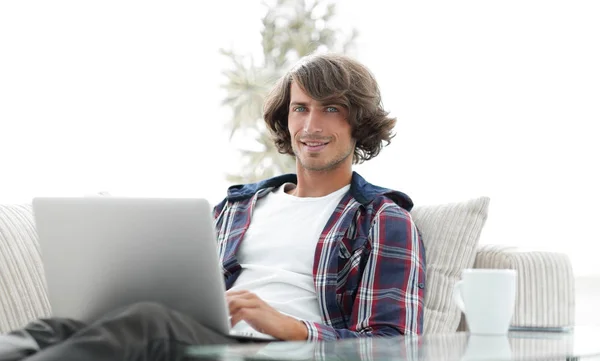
<point x="386" y="202"/>
<point x="384" y="209"/>
<point x="376" y="197"/>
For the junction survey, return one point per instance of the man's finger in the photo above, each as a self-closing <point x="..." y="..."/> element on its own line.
<point x="248" y="297"/>
<point x="244" y="314"/>
<point x="241" y="294"/>
<point x="236" y="317"/>
<point x="236" y="304"/>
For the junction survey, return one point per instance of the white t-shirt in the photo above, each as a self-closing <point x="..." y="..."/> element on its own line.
<point x="278" y="250"/>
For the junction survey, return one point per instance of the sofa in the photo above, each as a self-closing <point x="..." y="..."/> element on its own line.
<point x="451" y="234"/>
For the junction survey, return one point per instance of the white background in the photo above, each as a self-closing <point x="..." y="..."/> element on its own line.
<point x="497" y="99"/>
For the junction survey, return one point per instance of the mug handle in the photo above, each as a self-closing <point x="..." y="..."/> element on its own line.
<point x="458" y="295"/>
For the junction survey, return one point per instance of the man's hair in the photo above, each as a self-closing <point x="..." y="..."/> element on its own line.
<point x="333" y="79"/>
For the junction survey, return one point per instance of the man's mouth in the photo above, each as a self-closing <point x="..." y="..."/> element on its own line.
<point x="313" y="146"/>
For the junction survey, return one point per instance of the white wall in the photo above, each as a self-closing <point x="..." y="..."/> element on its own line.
<point x="498" y="99"/>
<point x="493" y="98"/>
<point x="117" y="96"/>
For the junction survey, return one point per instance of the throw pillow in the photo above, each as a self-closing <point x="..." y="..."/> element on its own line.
<point x="450" y="234"/>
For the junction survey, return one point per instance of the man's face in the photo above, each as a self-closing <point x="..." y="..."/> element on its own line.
<point x="321" y="135"/>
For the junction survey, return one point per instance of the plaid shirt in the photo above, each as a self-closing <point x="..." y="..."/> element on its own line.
<point x="369" y="265"/>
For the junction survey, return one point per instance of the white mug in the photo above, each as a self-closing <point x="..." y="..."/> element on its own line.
<point x="487" y="298"/>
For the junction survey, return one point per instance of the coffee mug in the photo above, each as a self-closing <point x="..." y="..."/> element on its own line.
<point x="487" y="298"/>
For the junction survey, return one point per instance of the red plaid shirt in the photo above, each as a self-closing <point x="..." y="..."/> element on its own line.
<point x="369" y="266"/>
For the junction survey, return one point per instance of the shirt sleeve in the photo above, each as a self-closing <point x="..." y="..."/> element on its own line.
<point x="390" y="296"/>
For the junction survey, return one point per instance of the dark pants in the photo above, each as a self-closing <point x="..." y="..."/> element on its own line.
<point x="144" y="331"/>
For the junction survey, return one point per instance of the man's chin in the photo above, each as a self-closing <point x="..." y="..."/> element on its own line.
<point x="318" y="162"/>
<point x="318" y="166"/>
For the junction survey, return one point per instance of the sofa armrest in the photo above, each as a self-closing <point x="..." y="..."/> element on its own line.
<point x="545" y="285"/>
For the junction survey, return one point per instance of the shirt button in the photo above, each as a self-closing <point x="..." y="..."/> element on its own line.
<point x="421" y="285"/>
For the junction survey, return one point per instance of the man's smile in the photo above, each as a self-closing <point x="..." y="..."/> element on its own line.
<point x="314" y="146"/>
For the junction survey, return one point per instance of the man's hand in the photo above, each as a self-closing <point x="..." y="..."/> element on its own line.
<point x="244" y="305"/>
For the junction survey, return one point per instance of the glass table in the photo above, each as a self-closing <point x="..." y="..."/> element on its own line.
<point x="578" y="344"/>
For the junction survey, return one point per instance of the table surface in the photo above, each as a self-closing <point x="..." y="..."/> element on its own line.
<point x="581" y="343"/>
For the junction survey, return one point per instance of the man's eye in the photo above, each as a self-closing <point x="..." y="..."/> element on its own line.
<point x="331" y="109"/>
<point x="299" y="109"/>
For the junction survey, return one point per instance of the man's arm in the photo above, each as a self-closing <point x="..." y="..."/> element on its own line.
<point x="390" y="295"/>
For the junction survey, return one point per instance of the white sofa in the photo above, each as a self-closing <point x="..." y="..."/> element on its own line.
<point x="545" y="294"/>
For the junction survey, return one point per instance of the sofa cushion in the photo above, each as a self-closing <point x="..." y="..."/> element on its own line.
<point x="450" y="234"/>
<point x="22" y="282"/>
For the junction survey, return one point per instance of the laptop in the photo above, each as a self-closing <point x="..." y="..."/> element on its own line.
<point x="103" y="253"/>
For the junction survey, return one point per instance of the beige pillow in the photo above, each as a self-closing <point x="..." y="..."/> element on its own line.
<point x="22" y="282"/>
<point x="450" y="233"/>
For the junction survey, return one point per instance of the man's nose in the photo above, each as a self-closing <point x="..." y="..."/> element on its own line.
<point x="312" y="123"/>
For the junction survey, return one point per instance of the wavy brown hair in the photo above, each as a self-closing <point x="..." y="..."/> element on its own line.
<point x="332" y="78"/>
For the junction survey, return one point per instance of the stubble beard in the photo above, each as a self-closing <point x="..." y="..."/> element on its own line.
<point x="327" y="167"/>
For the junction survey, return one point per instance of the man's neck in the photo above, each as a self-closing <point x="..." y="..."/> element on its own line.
<point x="321" y="183"/>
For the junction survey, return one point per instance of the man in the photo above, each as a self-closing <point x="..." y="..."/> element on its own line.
<point x="316" y="255"/>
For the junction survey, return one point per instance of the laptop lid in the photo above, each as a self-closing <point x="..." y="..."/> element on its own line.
<point x="103" y="253"/>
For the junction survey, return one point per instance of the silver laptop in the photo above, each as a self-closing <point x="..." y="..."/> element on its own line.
<point x="103" y="253"/>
